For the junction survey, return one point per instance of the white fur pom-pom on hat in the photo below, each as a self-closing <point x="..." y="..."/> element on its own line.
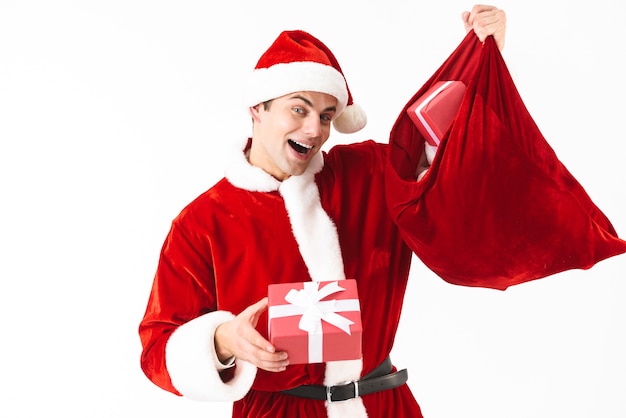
<point x="352" y="119"/>
<point x="297" y="61"/>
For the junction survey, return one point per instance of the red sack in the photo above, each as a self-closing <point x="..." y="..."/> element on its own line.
<point x="497" y="207"/>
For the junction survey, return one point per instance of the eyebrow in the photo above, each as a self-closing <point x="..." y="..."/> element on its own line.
<point x="310" y="104"/>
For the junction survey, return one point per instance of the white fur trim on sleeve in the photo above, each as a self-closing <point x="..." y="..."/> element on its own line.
<point x="192" y="362"/>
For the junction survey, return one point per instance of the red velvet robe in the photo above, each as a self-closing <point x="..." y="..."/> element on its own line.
<point x="227" y="246"/>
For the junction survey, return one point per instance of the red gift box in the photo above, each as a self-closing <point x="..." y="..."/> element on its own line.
<point x="315" y="322"/>
<point x="434" y="111"/>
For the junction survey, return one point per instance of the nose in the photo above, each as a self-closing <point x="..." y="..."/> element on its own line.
<point x="312" y="126"/>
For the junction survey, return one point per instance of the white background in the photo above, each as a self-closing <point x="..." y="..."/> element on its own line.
<point x="115" y="114"/>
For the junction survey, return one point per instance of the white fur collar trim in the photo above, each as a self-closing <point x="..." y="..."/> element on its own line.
<point x="240" y="173"/>
<point x="318" y="242"/>
<point x="313" y="229"/>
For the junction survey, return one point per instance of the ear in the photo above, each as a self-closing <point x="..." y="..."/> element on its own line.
<point x="254" y="112"/>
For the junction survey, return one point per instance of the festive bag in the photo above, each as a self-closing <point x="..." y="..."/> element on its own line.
<point x="315" y="322"/>
<point x="434" y="111"/>
<point x="496" y="207"/>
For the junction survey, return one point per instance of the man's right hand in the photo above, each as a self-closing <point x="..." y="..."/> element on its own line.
<point x="239" y="338"/>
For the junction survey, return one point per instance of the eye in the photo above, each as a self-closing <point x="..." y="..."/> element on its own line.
<point x="299" y="110"/>
<point x="325" y="117"/>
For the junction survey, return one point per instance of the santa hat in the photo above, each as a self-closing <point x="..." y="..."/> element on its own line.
<point x="297" y="61"/>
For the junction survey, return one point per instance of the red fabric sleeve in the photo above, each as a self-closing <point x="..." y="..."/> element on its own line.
<point x="179" y="294"/>
<point x="497" y="207"/>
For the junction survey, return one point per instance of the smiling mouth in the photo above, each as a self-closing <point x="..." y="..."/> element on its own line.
<point x="300" y="148"/>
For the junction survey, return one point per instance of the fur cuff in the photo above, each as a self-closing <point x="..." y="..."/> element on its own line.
<point x="192" y="362"/>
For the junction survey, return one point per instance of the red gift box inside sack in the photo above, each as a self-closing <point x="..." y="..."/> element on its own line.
<point x="434" y="111"/>
<point x="315" y="322"/>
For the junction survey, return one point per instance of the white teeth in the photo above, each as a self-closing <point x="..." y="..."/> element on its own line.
<point x="303" y="145"/>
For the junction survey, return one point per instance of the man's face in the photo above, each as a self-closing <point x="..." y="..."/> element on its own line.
<point x="290" y="132"/>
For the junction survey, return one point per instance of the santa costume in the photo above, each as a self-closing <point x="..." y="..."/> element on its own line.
<point x="250" y="230"/>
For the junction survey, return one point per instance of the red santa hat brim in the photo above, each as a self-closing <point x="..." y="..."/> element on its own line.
<point x="284" y="78"/>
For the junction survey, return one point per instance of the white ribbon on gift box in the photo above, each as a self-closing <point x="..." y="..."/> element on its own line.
<point x="308" y="303"/>
<point x="418" y="112"/>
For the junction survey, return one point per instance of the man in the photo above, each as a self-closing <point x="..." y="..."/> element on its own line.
<point x="287" y="213"/>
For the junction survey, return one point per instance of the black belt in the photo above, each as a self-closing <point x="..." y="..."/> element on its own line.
<point x="377" y="380"/>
